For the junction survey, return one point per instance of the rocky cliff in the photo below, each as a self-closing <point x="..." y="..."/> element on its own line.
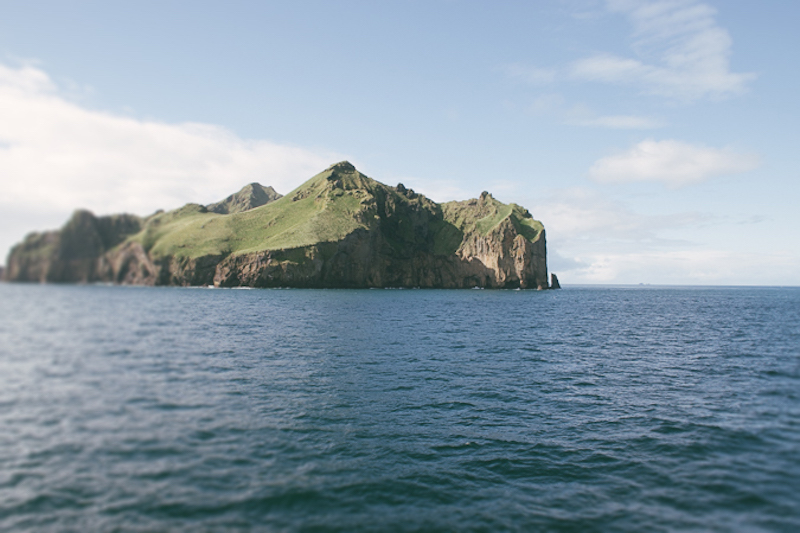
<point x="339" y="229"/>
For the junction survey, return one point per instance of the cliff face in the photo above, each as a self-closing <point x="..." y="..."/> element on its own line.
<point x="339" y="229"/>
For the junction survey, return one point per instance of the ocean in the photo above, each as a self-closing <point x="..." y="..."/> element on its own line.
<point x="585" y="409"/>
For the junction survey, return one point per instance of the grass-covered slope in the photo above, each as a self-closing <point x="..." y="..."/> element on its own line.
<point x="327" y="208"/>
<point x="484" y="214"/>
<point x="314" y="212"/>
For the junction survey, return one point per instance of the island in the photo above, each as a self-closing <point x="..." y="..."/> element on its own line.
<point x="338" y="229"/>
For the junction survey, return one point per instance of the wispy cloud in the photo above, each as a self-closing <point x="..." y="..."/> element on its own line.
<point x="529" y="74"/>
<point x="583" y="214"/>
<point x="590" y="236"/>
<point x="697" y="266"/>
<point x="582" y="115"/>
<point x="620" y="122"/>
<point x="678" y="51"/>
<point x="682" y="52"/>
<point x="545" y="104"/>
<point x="554" y="104"/>
<point x="671" y="162"/>
<point x="594" y="238"/>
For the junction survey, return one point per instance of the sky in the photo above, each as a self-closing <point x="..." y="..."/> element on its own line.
<point x="656" y="140"/>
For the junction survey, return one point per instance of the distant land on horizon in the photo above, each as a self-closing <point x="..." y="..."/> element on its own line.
<point x="338" y="229"/>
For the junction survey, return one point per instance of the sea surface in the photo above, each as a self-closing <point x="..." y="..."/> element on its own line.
<point x="586" y="409"/>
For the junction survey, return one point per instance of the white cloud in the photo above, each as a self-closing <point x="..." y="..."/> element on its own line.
<point x="582" y="115"/>
<point x="56" y="155"/>
<point x="554" y="104"/>
<point x="684" y="53"/>
<point x="671" y="162"/>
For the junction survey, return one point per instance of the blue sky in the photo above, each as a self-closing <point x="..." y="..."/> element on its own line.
<point x="656" y="140"/>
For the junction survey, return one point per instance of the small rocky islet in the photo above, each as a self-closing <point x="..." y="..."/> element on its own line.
<point x="338" y="229"/>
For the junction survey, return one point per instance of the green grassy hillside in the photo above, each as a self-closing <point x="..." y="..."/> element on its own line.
<point x="327" y="208"/>
<point x="320" y="210"/>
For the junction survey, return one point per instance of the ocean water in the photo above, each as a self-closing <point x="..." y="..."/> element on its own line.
<point x="585" y="409"/>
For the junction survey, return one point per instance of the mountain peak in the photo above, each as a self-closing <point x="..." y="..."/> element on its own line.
<point x="343" y="166"/>
<point x="249" y="197"/>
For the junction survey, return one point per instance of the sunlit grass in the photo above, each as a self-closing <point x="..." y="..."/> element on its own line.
<point x="327" y="208"/>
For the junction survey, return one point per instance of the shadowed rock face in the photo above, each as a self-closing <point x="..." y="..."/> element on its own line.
<point x="73" y="254"/>
<point x="339" y="229"/>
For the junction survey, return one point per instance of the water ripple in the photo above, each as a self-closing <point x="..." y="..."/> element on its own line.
<point x="596" y="409"/>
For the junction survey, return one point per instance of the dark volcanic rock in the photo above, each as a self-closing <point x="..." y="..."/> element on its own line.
<point x="554" y="282"/>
